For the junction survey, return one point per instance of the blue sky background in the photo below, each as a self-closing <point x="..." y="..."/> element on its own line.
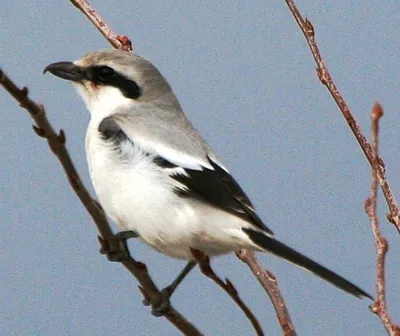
<point x="245" y="77"/>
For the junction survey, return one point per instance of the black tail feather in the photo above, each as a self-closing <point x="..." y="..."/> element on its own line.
<point x="281" y="250"/>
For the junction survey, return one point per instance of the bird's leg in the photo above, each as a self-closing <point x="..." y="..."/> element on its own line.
<point x="121" y="237"/>
<point x="169" y="290"/>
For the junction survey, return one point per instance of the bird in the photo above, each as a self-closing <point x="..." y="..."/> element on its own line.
<point x="154" y="174"/>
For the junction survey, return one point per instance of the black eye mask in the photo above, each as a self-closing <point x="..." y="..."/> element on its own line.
<point x="104" y="75"/>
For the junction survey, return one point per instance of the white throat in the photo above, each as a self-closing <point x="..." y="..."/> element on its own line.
<point x="102" y="101"/>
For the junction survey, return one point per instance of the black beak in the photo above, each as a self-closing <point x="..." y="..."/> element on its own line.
<point x="66" y="70"/>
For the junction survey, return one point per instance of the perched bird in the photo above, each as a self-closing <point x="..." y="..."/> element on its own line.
<point x="155" y="175"/>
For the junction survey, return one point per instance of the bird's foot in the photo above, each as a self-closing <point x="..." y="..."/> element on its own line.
<point x="123" y="253"/>
<point x="160" y="308"/>
<point x="163" y="305"/>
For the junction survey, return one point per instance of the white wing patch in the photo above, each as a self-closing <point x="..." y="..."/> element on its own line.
<point x="175" y="171"/>
<point x="177" y="158"/>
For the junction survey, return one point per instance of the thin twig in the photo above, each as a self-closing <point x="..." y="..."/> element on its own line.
<point x="56" y="142"/>
<point x="326" y="79"/>
<point x="228" y="287"/>
<point x="117" y="41"/>
<point x="269" y="283"/>
<point x="379" y="307"/>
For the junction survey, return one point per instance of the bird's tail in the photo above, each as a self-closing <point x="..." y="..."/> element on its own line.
<point x="281" y="250"/>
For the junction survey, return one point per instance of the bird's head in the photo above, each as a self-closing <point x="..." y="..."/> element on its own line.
<point x="111" y="80"/>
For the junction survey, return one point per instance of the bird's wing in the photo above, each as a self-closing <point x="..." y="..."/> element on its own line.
<point x="216" y="186"/>
<point x="201" y="177"/>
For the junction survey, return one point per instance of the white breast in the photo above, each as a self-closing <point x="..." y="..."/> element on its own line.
<point x="138" y="196"/>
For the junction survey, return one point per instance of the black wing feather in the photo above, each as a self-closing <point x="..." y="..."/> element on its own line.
<point x="217" y="187"/>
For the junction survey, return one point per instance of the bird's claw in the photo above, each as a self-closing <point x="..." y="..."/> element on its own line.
<point x="115" y="256"/>
<point x="125" y="235"/>
<point x="162" y="307"/>
<point x="123" y="253"/>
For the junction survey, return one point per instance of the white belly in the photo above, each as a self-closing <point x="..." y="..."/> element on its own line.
<point x="141" y="199"/>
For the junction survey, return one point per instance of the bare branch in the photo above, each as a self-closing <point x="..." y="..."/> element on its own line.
<point x="205" y="267"/>
<point x="269" y="283"/>
<point x="325" y="78"/>
<point x="379" y="307"/>
<point x="117" y="41"/>
<point x="56" y="142"/>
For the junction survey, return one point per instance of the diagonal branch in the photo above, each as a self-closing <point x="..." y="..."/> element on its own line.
<point x="269" y="283"/>
<point x="379" y="307"/>
<point x="56" y="142"/>
<point x="326" y="79"/>
<point x="117" y="41"/>
<point x="205" y="268"/>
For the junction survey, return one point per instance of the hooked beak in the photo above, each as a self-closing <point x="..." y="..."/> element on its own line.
<point x="66" y="70"/>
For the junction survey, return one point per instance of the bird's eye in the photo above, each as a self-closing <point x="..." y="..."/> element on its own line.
<point x="103" y="73"/>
